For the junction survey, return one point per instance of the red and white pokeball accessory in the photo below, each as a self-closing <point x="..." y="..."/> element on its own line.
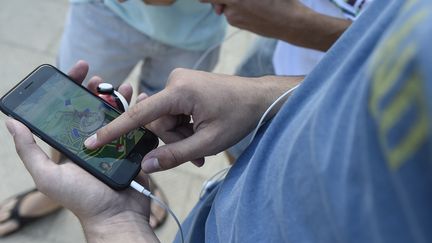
<point x="107" y="92"/>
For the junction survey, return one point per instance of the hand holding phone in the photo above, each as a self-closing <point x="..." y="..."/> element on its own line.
<point x="64" y="114"/>
<point x="93" y="202"/>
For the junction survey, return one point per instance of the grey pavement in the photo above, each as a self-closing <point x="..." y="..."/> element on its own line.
<point x="30" y="33"/>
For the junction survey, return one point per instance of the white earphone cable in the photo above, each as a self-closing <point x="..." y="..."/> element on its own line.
<point x="139" y="188"/>
<point x="261" y="121"/>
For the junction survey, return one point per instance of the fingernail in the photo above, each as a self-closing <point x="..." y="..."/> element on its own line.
<point x="151" y="165"/>
<point x="91" y="141"/>
<point x="10" y="127"/>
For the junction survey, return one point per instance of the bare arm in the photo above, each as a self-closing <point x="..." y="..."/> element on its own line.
<point x="287" y="20"/>
<point x="310" y="29"/>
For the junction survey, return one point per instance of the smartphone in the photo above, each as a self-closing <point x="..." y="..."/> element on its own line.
<point x="64" y="114"/>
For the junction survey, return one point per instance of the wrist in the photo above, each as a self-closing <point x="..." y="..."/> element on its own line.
<point x="122" y="227"/>
<point x="274" y="87"/>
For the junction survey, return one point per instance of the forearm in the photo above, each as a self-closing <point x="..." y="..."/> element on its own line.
<point x="287" y="20"/>
<point x="273" y="87"/>
<point x="127" y="227"/>
<point x="294" y="23"/>
<point x="310" y="29"/>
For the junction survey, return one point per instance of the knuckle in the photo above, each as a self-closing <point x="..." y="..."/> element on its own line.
<point x="178" y="71"/>
<point x="173" y="159"/>
<point x="178" y="80"/>
<point x="176" y="75"/>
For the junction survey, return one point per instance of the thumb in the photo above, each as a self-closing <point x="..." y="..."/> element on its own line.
<point x="35" y="159"/>
<point x="171" y="155"/>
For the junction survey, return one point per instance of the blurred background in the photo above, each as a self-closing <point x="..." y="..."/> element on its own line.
<point x="30" y="33"/>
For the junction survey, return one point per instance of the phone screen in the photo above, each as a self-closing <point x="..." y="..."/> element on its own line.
<point x="69" y="115"/>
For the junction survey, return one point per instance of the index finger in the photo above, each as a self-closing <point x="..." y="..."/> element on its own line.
<point x="138" y="115"/>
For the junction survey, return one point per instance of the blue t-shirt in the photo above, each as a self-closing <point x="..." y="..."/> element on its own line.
<point x="348" y="158"/>
<point x="186" y="24"/>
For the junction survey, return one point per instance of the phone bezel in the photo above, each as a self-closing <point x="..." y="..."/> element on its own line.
<point x="123" y="175"/>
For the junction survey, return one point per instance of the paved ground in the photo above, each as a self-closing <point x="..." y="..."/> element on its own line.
<point x="30" y="32"/>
